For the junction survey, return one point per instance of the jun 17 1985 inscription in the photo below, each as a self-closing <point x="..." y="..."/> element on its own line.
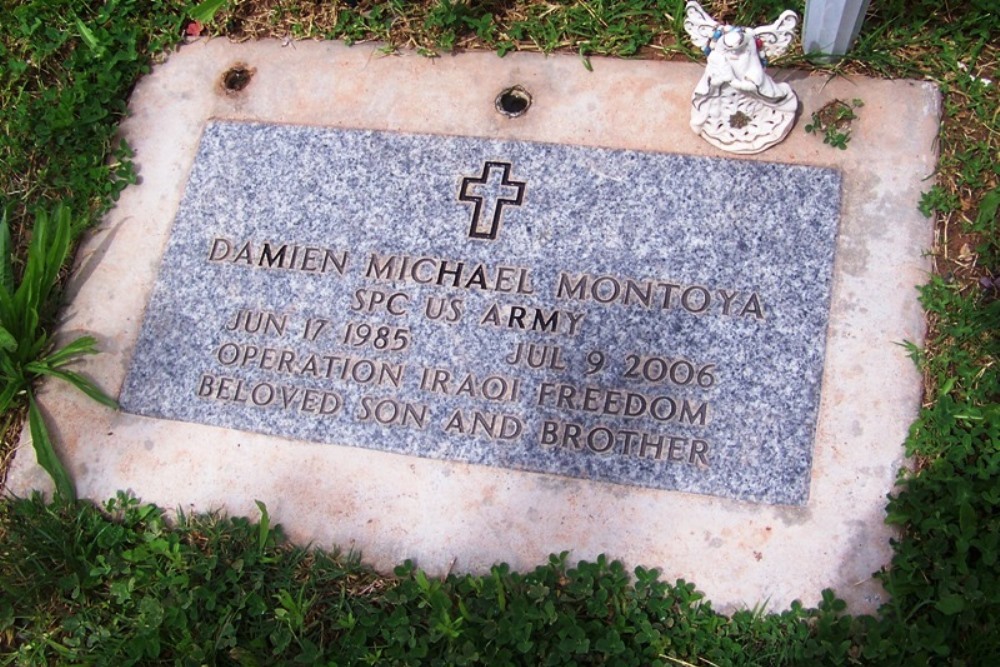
<point x="631" y="317"/>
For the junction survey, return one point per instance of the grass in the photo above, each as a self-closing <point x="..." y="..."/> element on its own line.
<point x="118" y="585"/>
<point x="66" y="69"/>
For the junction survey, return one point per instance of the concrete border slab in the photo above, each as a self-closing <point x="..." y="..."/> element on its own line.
<point x="459" y="517"/>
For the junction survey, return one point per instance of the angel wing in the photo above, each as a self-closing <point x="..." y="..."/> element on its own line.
<point x="776" y="37"/>
<point x="698" y="24"/>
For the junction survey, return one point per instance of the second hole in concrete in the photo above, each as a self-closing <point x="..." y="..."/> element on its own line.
<point x="513" y="101"/>
<point x="237" y="78"/>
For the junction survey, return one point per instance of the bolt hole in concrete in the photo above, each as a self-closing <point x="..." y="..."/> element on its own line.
<point x="513" y="102"/>
<point x="237" y="78"/>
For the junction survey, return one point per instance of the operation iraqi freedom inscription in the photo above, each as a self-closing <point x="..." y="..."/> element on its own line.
<point x="609" y="315"/>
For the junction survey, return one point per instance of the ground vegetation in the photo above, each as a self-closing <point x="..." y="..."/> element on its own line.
<point x="119" y="584"/>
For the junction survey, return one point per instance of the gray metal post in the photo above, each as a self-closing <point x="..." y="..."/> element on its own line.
<point x="832" y="25"/>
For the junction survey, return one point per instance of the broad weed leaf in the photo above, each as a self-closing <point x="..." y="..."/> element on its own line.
<point x="7" y="312"/>
<point x="46" y="454"/>
<point x="6" y="253"/>
<point x="950" y="604"/>
<point x="78" y="381"/>
<point x="988" y="209"/>
<point x="264" y="527"/>
<point x="11" y="389"/>
<point x="205" y="11"/>
<point x="55" y="249"/>
<point x="7" y="341"/>
<point x="966" y="519"/>
<point x="77" y="348"/>
<point x="88" y="37"/>
<point x="23" y="343"/>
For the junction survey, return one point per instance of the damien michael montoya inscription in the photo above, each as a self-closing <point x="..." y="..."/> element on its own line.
<point x="423" y="270"/>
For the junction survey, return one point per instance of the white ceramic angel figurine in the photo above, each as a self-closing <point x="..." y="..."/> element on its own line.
<point x="736" y="106"/>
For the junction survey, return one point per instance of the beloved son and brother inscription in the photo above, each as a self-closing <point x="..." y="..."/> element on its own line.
<point x="638" y="318"/>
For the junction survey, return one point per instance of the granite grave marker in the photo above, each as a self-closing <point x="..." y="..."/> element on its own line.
<point x="624" y="316"/>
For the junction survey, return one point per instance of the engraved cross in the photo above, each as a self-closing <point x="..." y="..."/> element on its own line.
<point x="489" y="193"/>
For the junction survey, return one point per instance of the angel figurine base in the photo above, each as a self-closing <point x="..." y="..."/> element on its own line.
<point x="739" y="123"/>
<point x="736" y="106"/>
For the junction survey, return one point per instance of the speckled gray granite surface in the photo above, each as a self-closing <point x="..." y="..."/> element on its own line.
<point x="639" y="318"/>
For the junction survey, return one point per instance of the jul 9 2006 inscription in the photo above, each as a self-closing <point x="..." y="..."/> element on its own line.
<point x="638" y="318"/>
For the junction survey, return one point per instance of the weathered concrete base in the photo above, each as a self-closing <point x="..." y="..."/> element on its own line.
<point x="459" y="517"/>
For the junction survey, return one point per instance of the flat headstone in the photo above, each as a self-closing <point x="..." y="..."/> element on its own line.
<point x="233" y="292"/>
<point x="599" y="314"/>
